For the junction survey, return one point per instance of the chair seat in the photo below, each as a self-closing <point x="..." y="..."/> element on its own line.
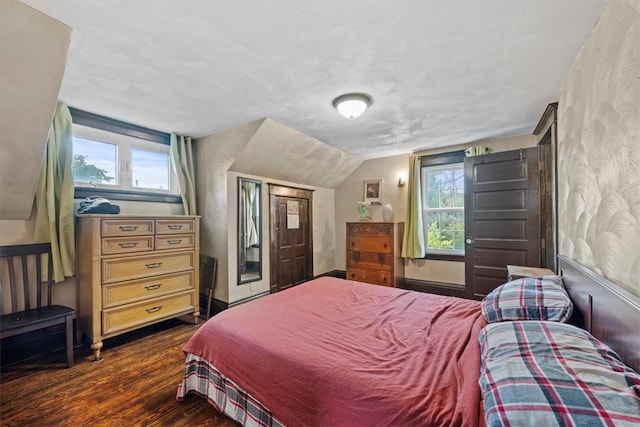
<point x="20" y="319"/>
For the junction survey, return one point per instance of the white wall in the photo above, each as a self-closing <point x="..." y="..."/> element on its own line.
<point x="599" y="149"/>
<point x="323" y="229"/>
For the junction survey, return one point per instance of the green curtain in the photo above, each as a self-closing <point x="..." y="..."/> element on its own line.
<point x="182" y="161"/>
<point x="54" y="196"/>
<point x="413" y="245"/>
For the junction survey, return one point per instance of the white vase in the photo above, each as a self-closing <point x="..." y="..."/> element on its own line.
<point x="387" y="212"/>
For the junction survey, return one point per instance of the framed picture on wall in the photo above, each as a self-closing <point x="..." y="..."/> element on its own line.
<point x="373" y="191"/>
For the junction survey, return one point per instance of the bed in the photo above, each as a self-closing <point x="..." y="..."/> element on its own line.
<point x="301" y="357"/>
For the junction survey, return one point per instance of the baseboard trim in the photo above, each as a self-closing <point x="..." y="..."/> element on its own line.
<point x="217" y="306"/>
<point x="440" y="288"/>
<point x="251" y="298"/>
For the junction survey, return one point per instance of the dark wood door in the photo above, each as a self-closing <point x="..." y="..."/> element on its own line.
<point x="291" y="237"/>
<point x="502" y="217"/>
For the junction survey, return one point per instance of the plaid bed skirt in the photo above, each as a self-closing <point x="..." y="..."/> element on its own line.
<point x="205" y="380"/>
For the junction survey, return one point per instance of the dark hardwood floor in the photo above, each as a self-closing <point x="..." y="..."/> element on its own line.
<point x="135" y="385"/>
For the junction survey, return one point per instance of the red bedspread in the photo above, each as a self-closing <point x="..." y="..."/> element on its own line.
<point x="334" y="352"/>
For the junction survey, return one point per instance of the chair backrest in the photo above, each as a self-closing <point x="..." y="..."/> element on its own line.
<point x="208" y="267"/>
<point x="23" y="285"/>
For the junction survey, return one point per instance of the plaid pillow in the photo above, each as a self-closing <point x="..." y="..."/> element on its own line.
<point x="529" y="298"/>
<point x="537" y="373"/>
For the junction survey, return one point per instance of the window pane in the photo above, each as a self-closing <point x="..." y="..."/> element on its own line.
<point x="150" y="169"/>
<point x="445" y="188"/>
<point x="94" y="161"/>
<point x="443" y="195"/>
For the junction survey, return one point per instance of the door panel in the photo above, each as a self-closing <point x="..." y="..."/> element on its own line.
<point x="485" y="256"/>
<point x="500" y="200"/>
<point x="291" y="244"/>
<point x="502" y="219"/>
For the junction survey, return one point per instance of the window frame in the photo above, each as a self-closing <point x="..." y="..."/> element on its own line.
<point x="102" y="123"/>
<point x="440" y="160"/>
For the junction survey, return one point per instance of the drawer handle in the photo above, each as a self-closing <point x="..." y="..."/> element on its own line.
<point x="381" y="258"/>
<point x="154" y="309"/>
<point x="353" y="275"/>
<point x="353" y="243"/>
<point x="128" y="227"/>
<point x="128" y="244"/>
<point x="153" y="287"/>
<point x="356" y="256"/>
<point x="154" y="265"/>
<point x="384" y="279"/>
<point x="174" y="241"/>
<point x="175" y="226"/>
<point x="384" y="246"/>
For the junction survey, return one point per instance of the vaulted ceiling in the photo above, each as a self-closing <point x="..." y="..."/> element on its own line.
<point x="440" y="72"/>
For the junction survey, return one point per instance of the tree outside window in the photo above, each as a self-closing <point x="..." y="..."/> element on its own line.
<point x="443" y="208"/>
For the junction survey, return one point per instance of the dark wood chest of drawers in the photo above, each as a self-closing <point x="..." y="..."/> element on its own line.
<point x="373" y="253"/>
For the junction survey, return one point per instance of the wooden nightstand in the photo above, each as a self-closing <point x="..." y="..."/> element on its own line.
<point x="517" y="272"/>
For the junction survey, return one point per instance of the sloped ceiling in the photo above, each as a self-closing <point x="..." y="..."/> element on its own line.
<point x="293" y="156"/>
<point x="33" y="48"/>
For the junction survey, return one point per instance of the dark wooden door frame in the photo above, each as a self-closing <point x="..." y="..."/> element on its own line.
<point x="502" y="224"/>
<point x="547" y="133"/>
<point x="276" y="190"/>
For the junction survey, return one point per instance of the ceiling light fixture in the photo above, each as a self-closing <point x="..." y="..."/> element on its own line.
<point x="351" y="105"/>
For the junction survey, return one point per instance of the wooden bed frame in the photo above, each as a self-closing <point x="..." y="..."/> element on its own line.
<point x="604" y="309"/>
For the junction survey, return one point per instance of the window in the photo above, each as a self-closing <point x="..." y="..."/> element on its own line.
<point x="121" y="161"/>
<point x="442" y="182"/>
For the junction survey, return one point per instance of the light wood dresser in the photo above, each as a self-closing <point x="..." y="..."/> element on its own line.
<point x="133" y="271"/>
<point x="373" y="253"/>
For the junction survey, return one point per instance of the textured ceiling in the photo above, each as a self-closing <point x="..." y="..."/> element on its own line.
<point x="440" y="72"/>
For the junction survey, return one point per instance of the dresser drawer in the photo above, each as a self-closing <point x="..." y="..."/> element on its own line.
<point x="176" y="241"/>
<point x="137" y="267"/>
<point x="122" y="293"/>
<point x="359" y="259"/>
<point x="127" y="227"/>
<point x="132" y="315"/>
<point x="122" y="245"/>
<point x="378" y="277"/>
<point x="381" y="244"/>
<point x="175" y="226"/>
<point x="369" y="229"/>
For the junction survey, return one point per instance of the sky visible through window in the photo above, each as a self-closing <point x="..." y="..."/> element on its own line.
<point x="149" y="169"/>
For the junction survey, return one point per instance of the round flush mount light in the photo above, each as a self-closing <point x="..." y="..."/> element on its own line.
<point x="351" y="105"/>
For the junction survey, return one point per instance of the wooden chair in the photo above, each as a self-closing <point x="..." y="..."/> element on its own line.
<point x="208" y="267"/>
<point x="25" y="299"/>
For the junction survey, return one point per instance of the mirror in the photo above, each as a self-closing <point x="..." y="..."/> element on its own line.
<point x="249" y="230"/>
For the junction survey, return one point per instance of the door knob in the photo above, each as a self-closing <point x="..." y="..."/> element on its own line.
<point x="469" y="241"/>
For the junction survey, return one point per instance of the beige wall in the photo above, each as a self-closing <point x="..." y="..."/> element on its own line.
<point x="599" y="149"/>
<point x="33" y="54"/>
<point x="350" y="192"/>
<point x="217" y="191"/>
